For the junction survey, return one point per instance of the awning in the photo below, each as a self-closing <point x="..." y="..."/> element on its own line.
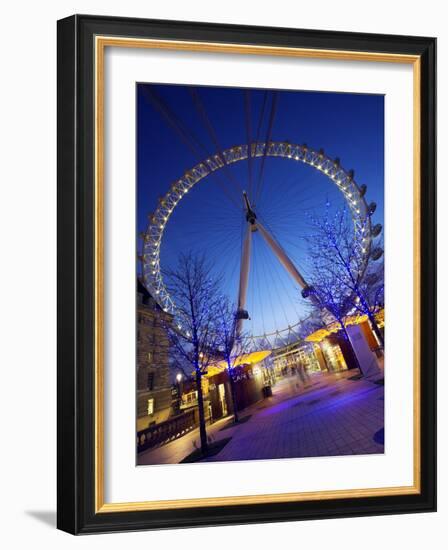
<point x="322" y="333"/>
<point x="245" y="359"/>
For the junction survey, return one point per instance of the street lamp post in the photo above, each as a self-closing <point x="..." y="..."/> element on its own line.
<point x="179" y="389"/>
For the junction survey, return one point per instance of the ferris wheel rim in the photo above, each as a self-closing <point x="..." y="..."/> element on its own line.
<point x="331" y="168"/>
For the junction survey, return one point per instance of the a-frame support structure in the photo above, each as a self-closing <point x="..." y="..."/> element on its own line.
<point x="253" y="224"/>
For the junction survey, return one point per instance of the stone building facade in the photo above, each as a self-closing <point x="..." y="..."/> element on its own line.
<point x="153" y="374"/>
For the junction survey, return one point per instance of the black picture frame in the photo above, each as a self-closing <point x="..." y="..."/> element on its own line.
<point x="76" y="285"/>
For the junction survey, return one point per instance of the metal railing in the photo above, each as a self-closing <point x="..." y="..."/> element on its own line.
<point x="167" y="431"/>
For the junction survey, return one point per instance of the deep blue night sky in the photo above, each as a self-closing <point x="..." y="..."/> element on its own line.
<point x="210" y="218"/>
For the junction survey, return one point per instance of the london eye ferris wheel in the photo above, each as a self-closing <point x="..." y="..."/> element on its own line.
<point x="227" y="173"/>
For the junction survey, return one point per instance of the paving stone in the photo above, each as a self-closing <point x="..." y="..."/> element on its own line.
<point x="322" y="420"/>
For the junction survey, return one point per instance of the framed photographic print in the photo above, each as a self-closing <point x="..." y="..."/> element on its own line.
<point x="246" y="274"/>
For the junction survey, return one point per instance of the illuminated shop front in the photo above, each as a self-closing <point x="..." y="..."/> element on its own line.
<point x="333" y="357"/>
<point x="289" y="358"/>
<point x="252" y="374"/>
<point x="335" y="353"/>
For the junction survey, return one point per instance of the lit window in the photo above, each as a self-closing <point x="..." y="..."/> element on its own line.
<point x="151" y="406"/>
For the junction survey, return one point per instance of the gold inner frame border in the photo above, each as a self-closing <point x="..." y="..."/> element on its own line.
<point x="100" y="44"/>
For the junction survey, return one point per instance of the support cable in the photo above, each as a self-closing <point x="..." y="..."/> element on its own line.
<point x="193" y="144"/>
<point x="200" y="108"/>
<point x="248" y="116"/>
<point x="267" y="141"/>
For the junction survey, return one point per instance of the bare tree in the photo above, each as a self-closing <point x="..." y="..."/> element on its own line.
<point x="231" y="345"/>
<point x="193" y="335"/>
<point x="331" y="297"/>
<point x="340" y="280"/>
<point x="372" y="284"/>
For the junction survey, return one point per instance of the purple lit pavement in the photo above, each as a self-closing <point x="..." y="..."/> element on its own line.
<point x="332" y="416"/>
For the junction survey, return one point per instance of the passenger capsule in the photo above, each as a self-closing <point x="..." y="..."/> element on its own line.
<point x="376" y="253"/>
<point x="372" y="208"/>
<point x="376" y="230"/>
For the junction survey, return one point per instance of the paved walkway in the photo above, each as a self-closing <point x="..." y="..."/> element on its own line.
<point x="332" y="416"/>
<point x="174" y="452"/>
